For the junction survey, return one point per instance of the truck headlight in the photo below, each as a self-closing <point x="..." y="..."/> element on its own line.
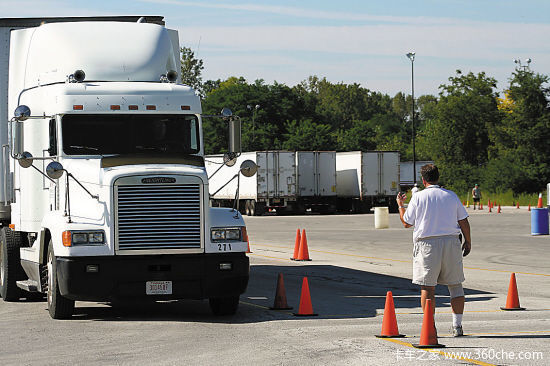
<point x="70" y="238"/>
<point x="218" y="234"/>
<point x="233" y="233"/>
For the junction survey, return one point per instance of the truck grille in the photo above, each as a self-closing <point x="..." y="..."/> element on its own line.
<point x="159" y="217"/>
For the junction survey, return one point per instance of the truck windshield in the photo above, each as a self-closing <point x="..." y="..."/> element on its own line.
<point x="129" y="134"/>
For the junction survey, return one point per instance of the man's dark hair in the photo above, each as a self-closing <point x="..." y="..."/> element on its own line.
<point x="430" y="173"/>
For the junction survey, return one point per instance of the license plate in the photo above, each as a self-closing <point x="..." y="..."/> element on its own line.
<point x="158" y="287"/>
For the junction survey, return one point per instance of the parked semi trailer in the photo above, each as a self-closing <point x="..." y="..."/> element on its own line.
<point x="286" y="181"/>
<point x="103" y="182"/>
<point x="406" y="173"/>
<point x="367" y="179"/>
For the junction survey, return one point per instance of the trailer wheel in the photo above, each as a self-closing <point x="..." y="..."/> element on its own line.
<point x="257" y="208"/>
<point x="224" y="305"/>
<point x="10" y="265"/>
<point x="59" y="307"/>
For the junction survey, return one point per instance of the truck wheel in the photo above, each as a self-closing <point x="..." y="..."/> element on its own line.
<point x="224" y="305"/>
<point x="393" y="207"/>
<point x="58" y="306"/>
<point x="252" y="207"/>
<point x="257" y="208"/>
<point x="10" y="266"/>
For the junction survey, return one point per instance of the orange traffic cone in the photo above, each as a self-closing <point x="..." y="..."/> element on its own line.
<point x="248" y="250"/>
<point x="480" y="205"/>
<point x="498" y="211"/>
<point x="303" y="254"/>
<point x="428" y="334"/>
<point x="305" y="309"/>
<point x="517" y="204"/>
<point x="490" y="208"/>
<point x="389" y="322"/>
<point x="296" y="245"/>
<point x="539" y="204"/>
<point x="489" y="205"/>
<point x="529" y="207"/>
<point x="280" y="295"/>
<point x="512" y="301"/>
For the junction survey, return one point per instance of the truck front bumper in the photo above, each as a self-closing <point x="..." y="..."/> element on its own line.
<point x="124" y="277"/>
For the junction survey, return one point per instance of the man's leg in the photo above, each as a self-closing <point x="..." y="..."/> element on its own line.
<point x="457" y="304"/>
<point x="427" y="292"/>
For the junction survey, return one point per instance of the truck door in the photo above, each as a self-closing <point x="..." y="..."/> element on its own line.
<point x="371" y="174"/>
<point x="389" y="163"/>
<point x="326" y="173"/>
<point x="306" y="170"/>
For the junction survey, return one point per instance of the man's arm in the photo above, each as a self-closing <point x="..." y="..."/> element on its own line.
<point x="465" y="228"/>
<point x="400" y="202"/>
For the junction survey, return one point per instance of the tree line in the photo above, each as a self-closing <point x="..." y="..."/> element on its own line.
<point x="472" y="132"/>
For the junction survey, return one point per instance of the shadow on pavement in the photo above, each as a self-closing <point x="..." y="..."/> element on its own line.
<point x="336" y="293"/>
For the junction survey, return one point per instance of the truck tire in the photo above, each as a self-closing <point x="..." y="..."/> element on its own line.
<point x="257" y="208"/>
<point x="393" y="207"/>
<point x="10" y="265"/>
<point x="59" y="307"/>
<point x="224" y="305"/>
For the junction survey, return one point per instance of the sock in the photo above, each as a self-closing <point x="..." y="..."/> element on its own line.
<point x="457" y="320"/>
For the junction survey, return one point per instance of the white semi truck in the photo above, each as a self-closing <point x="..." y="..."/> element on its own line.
<point x="103" y="188"/>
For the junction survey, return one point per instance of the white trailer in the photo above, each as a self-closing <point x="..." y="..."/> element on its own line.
<point x="286" y="181"/>
<point x="367" y="179"/>
<point x="103" y="184"/>
<point x="406" y="172"/>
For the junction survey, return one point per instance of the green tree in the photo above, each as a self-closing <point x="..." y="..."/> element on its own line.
<point x="520" y="142"/>
<point x="456" y="134"/>
<point x="191" y="69"/>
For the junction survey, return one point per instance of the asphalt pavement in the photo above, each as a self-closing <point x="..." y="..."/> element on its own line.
<point x="352" y="267"/>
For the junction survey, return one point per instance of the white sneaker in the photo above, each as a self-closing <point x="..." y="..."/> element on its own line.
<point x="457" y="331"/>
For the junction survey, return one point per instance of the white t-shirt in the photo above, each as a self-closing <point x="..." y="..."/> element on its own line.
<point x="434" y="211"/>
<point x="414" y="190"/>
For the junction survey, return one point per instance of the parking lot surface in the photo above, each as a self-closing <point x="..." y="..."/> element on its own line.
<point x="353" y="266"/>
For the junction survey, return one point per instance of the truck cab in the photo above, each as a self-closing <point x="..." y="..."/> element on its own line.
<point x="105" y="190"/>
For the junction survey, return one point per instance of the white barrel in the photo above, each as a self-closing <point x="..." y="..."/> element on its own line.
<point x="381" y="218"/>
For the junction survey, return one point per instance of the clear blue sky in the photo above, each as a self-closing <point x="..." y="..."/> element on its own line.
<point x="350" y="41"/>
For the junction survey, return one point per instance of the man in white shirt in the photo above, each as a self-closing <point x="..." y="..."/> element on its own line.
<point x="438" y="218"/>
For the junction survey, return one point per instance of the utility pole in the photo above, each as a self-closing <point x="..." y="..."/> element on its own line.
<point x="411" y="55"/>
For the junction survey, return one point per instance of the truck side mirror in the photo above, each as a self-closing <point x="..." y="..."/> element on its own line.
<point x="25" y="159"/>
<point x="21" y="114"/>
<point x="54" y="170"/>
<point x="235" y="135"/>
<point x="248" y="168"/>
<point x="234" y="124"/>
<point x="17" y="138"/>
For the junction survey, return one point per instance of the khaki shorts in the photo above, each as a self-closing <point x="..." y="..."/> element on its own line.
<point x="438" y="260"/>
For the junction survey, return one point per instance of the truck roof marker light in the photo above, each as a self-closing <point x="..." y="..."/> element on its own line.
<point x="185" y="107"/>
<point x="67" y="239"/>
<point x="78" y="107"/>
<point x="133" y="107"/>
<point x="151" y="107"/>
<point x="115" y="107"/>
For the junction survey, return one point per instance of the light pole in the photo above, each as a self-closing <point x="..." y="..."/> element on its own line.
<point x="411" y="55"/>
<point x="254" y="110"/>
<point x="517" y="61"/>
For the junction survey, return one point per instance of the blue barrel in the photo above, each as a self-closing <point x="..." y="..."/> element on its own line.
<point x="539" y="221"/>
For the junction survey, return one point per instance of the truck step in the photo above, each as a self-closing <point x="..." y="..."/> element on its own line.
<point x="28" y="285"/>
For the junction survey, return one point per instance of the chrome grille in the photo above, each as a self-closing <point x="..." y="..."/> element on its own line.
<point x="158" y="216"/>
